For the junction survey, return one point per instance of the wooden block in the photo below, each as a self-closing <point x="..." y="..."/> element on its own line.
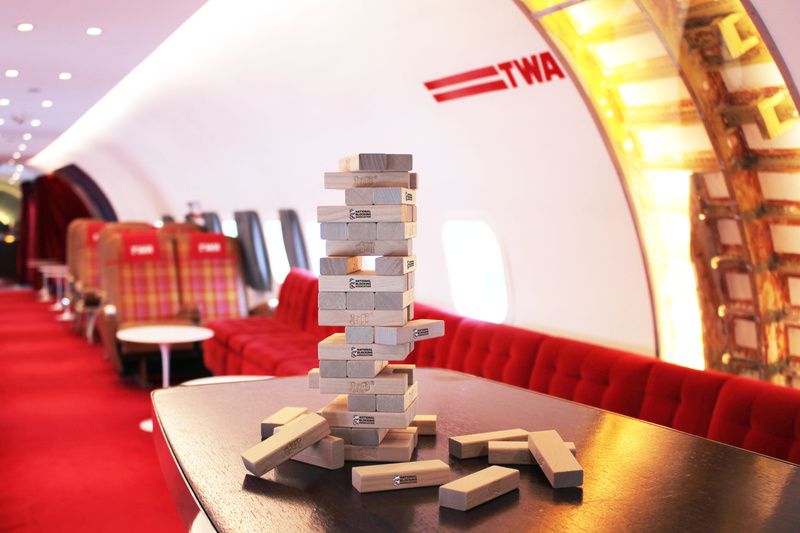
<point x="362" y="231"/>
<point x="279" y="418"/>
<point x="407" y="369"/>
<point x="515" y="452"/>
<point x="415" y="330"/>
<point x="313" y="378"/>
<point x="397" y="248"/>
<point x="376" y="163"/>
<point x="558" y="464"/>
<point x="477" y="445"/>
<point x="332" y="369"/>
<point x="332" y="317"/>
<point x="364" y="281"/>
<point x="400" y="476"/>
<point x="295" y="437"/>
<point x="359" y="335"/>
<point x="360" y="301"/>
<point x="357" y="180"/>
<point x="410" y="310"/>
<point x="380" y="196"/>
<point x="361" y="402"/>
<point x="396" y="403"/>
<point x="337" y="414"/>
<point x="470" y="491"/>
<point x="413" y="431"/>
<point x="360" y="436"/>
<point x="327" y="453"/>
<point x="425" y="423"/>
<point x="364" y="369"/>
<point x="335" y="231"/>
<point x="398" y="446"/>
<point x="332" y="300"/>
<point x="366" y="213"/>
<point x="336" y="347"/>
<point x="393" y="266"/>
<point x="338" y="266"/>
<point x="387" y="382"/>
<point x="395" y="231"/>
<point x="393" y="300"/>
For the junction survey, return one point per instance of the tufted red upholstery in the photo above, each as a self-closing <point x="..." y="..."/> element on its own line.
<point x="757" y="416"/>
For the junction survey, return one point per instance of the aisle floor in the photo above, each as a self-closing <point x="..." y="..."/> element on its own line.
<point x="72" y="455"/>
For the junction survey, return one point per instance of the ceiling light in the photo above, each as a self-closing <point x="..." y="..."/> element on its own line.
<point x="12" y="73"/>
<point x="27" y="136"/>
<point x="24" y="26"/>
<point x="65" y="76"/>
<point x="22" y="147"/>
<point x="20" y="167"/>
<point x="4" y="101"/>
<point x="36" y="122"/>
<point x="47" y="103"/>
<point x="2" y="121"/>
<point x="94" y="31"/>
<point x="16" y="155"/>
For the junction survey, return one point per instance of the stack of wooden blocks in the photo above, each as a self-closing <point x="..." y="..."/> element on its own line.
<point x="377" y="401"/>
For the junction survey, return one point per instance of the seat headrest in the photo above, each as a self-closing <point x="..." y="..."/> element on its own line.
<point x="207" y="246"/>
<point x="140" y="246"/>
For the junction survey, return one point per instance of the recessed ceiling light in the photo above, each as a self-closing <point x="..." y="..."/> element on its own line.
<point x="36" y="122"/>
<point x="2" y="121"/>
<point x="12" y="73"/>
<point x="65" y="76"/>
<point x="94" y="31"/>
<point x="22" y="147"/>
<point x="20" y="167"/>
<point x="4" y="101"/>
<point x="27" y="136"/>
<point x="24" y="26"/>
<point x="47" y="103"/>
<point x="16" y="155"/>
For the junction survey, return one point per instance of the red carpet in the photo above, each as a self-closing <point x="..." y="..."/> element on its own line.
<point x="72" y="457"/>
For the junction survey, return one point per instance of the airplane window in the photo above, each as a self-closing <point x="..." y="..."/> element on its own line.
<point x="277" y="253"/>
<point x="229" y="228"/>
<point x="475" y="268"/>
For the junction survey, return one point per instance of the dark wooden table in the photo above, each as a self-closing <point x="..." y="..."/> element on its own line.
<point x="638" y="476"/>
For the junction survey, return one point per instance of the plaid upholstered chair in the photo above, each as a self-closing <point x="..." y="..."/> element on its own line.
<point x="210" y="275"/>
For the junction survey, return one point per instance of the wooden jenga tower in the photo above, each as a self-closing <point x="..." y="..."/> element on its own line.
<point x="377" y="400"/>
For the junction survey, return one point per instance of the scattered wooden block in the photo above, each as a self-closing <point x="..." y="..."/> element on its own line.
<point x="515" y="452"/>
<point x="359" y="335"/>
<point x="470" y="491"/>
<point x="396" y="403"/>
<point x="395" y="231"/>
<point x="400" y="475"/>
<point x="360" y="436"/>
<point x="413" y="431"/>
<point x="360" y="301"/>
<point x="388" y="381"/>
<point x="376" y="163"/>
<point x="364" y="369"/>
<point x="332" y="300"/>
<point x="393" y="266"/>
<point x="365" y="403"/>
<point x="279" y="418"/>
<point x="380" y="196"/>
<point x="332" y="369"/>
<point x="393" y="300"/>
<point x="337" y="414"/>
<point x="338" y="266"/>
<point x="336" y="231"/>
<point x="366" y="213"/>
<point x="357" y="180"/>
<point x="477" y="445"/>
<point x="332" y="317"/>
<point x="327" y="453"/>
<point x="425" y="423"/>
<point x="398" y="446"/>
<point x="558" y="464"/>
<point x="415" y="330"/>
<point x="296" y="436"/>
<point x="364" y="281"/>
<point x="397" y="248"/>
<point x="313" y="378"/>
<point x="336" y="347"/>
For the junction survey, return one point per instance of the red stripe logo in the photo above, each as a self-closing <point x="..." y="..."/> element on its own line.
<point x="537" y="68"/>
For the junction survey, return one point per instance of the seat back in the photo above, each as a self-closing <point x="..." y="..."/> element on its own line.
<point x="210" y="275"/>
<point x="138" y="274"/>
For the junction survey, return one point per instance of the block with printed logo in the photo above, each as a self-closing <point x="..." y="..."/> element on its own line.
<point x="365" y="281"/>
<point x="366" y="213"/>
<point x="337" y="347"/>
<point x="399" y="476"/>
<point x="393" y="266"/>
<point x="380" y="196"/>
<point x="357" y="180"/>
<point x="337" y="414"/>
<point x="415" y="330"/>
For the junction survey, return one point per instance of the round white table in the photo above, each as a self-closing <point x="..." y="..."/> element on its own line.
<point x="44" y="292"/>
<point x="165" y="336"/>
<point x="59" y="275"/>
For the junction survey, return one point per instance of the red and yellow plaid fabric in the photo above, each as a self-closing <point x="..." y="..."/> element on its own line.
<point x="211" y="283"/>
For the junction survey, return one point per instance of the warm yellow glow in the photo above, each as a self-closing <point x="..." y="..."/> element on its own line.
<point x="8" y="238"/>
